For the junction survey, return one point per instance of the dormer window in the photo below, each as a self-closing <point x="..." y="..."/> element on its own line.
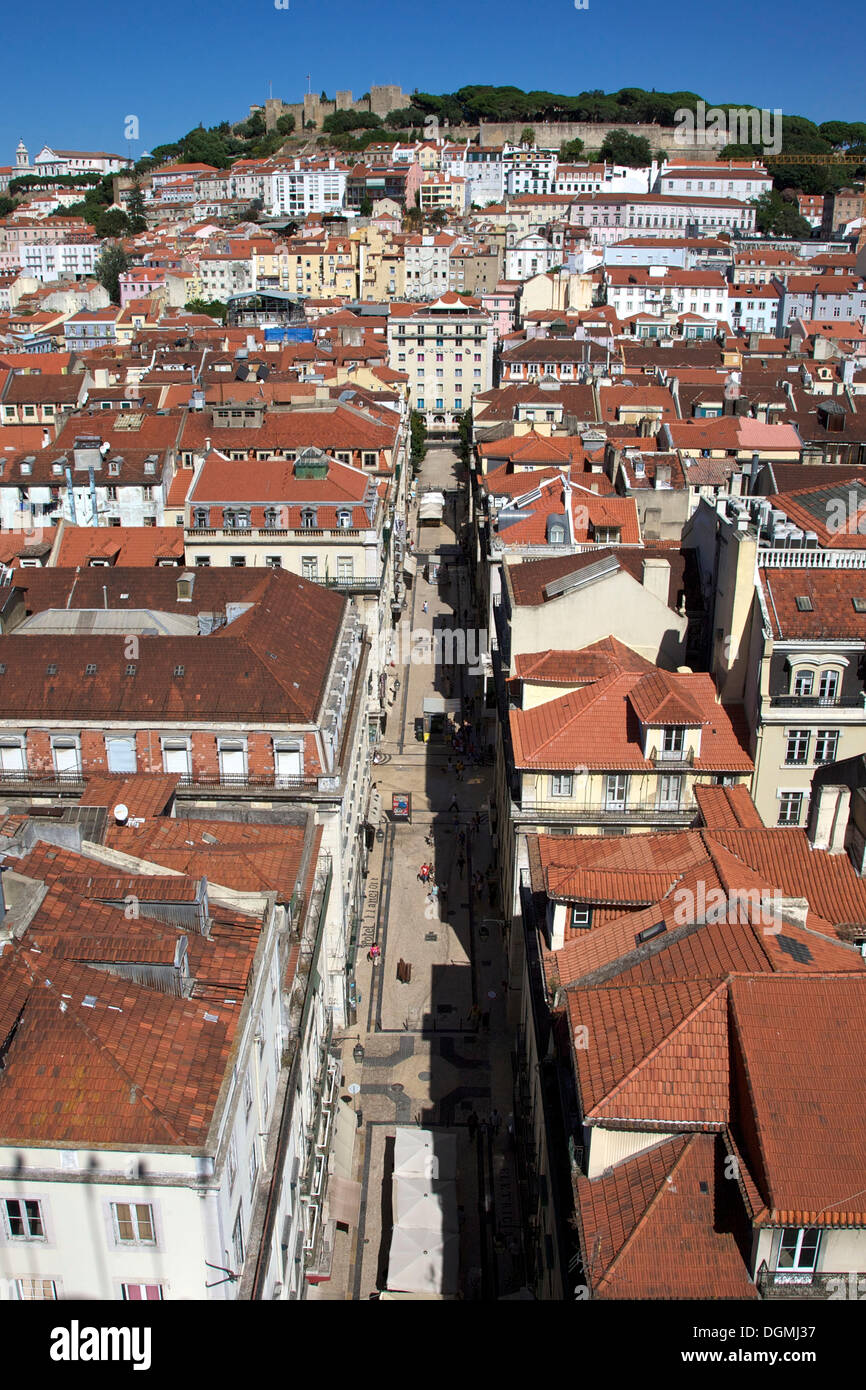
<point x="200" y="517"/>
<point x="308" y="517"/>
<point x="557" y="535"/>
<point x="272" y="518"/>
<point x="344" y="519"/>
<point x="803" y="684"/>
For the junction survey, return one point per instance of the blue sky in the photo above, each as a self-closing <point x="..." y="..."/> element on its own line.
<point x="175" y="64"/>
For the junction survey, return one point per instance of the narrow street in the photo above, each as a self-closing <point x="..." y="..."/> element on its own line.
<point x="437" y="1047"/>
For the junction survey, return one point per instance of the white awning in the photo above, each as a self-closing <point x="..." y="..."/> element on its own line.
<point x="423" y="1262"/>
<point x="410" y="564"/>
<point x="422" y="1153"/>
<point x="423" y="1203"/>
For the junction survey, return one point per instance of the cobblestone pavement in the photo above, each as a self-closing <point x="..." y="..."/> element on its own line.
<point x="436" y="1047"/>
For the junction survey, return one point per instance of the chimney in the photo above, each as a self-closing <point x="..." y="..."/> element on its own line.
<point x="663" y="477"/>
<point x="207" y="446"/>
<point x="828" y="818"/>
<point x="656" y="577"/>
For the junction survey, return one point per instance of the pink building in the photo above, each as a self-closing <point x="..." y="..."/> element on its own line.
<point x="140" y="282"/>
<point x="503" y="305"/>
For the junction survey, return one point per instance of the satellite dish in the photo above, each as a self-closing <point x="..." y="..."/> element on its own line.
<point x="121" y="813"/>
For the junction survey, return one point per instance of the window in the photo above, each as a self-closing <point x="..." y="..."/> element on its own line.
<point x="615" y="791"/>
<point x="670" y="792"/>
<point x="254" y="1164"/>
<point x="803" y="683"/>
<point x="238" y="562"/>
<point x="288" y="763"/>
<point x="232" y="759"/>
<point x="36" y="1289"/>
<point x="828" y="686"/>
<point x="175" y="756"/>
<point x="135" y="1292"/>
<point x="203" y="561"/>
<point x="344" y="519"/>
<point x="798" y="1249"/>
<point x="826" y="745"/>
<point x="24" y="1219"/>
<point x="133" y="1223"/>
<point x="67" y="756"/>
<point x="248" y="1095"/>
<point x="345" y="567"/>
<point x="121" y="751"/>
<point x="310" y="567"/>
<point x="238" y="1238"/>
<point x="232" y="1162"/>
<point x="561" y="784"/>
<point x="274" y="562"/>
<point x="797" y="750"/>
<point x="308" y="517"/>
<point x="790" y="806"/>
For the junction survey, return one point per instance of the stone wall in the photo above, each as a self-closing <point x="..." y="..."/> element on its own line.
<point x="592" y="134"/>
<point x="380" y="101"/>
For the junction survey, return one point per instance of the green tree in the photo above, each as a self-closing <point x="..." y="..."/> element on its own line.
<point x="778" y="217"/>
<point x="135" y="209"/>
<point x="620" y="147"/>
<point x="366" y="208"/>
<point x="214" y="308"/>
<point x="113" y="222"/>
<point x="285" y="123"/>
<point x="417" y="439"/>
<point x="527" y="135"/>
<point x="571" y="149"/>
<point x="6" y="206"/>
<point x="109" y="268"/>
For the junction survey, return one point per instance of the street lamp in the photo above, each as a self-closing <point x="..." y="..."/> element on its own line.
<point x="358" y="1053"/>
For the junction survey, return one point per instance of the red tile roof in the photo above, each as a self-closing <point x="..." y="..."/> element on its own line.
<point x="649" y="1227"/>
<point x="799" y="1041"/>
<point x="596" y="728"/>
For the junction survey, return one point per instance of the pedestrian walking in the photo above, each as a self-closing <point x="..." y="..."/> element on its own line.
<point x="461" y="864"/>
<point x="495" y="1121"/>
<point x="472" y="1125"/>
<point x="454" y="803"/>
<point x="460" y="767"/>
<point x="485" y="1021"/>
<point x="424" y="606"/>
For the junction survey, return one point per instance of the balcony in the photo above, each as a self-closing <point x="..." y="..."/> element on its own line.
<point x="811" y="1285"/>
<point x="635" y="813"/>
<point x="363" y="584"/>
<point x="673" y="757"/>
<point x="818" y="701"/>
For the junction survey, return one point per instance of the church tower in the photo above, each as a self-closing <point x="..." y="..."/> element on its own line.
<point x="22" y="159"/>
